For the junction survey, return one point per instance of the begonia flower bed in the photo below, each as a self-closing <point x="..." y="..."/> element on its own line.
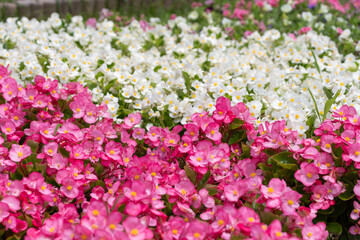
<point x="239" y="121"/>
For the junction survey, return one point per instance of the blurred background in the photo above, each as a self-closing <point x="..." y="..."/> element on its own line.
<point x="42" y="9"/>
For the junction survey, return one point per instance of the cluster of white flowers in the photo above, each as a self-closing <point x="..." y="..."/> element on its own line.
<point x="155" y="69"/>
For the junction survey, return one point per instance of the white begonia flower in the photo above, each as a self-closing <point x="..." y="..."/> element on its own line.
<point x="323" y="8"/>
<point x="193" y="15"/>
<point x="249" y="74"/>
<point x="267" y="7"/>
<point x="345" y="35"/>
<point x="357" y="47"/>
<point x="226" y="22"/>
<point x="320" y="26"/>
<point x="307" y="16"/>
<point x="286" y="8"/>
<point x="328" y="17"/>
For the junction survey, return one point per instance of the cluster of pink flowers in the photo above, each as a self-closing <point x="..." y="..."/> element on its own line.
<point x="69" y="172"/>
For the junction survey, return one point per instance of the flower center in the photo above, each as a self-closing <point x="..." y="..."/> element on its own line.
<point x="134" y="232"/>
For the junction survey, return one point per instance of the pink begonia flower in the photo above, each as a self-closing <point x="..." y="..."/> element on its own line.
<point x="7" y="127"/>
<point x="355" y="213"/>
<point x="138" y="133"/>
<point x="78" y="108"/>
<point x="41" y="101"/>
<point x="136" y="230"/>
<point x="275" y="230"/>
<point x="339" y="30"/>
<point x="91" y="22"/>
<point x="69" y="188"/>
<point x="113" y="150"/>
<point x="12" y="202"/>
<point x="19" y="152"/>
<point x="50" y="149"/>
<point x="196" y="230"/>
<point x="91" y="113"/>
<point x="200" y="161"/>
<point x="172" y="139"/>
<point x="354" y="152"/>
<point x="207" y="200"/>
<point x="247" y="33"/>
<point x="307" y="174"/>
<point x="275" y="188"/>
<point x="333" y="190"/>
<point x="292" y="36"/>
<point x="185" y="189"/>
<point x="4" y="211"/>
<point x="192" y="131"/>
<point x="290" y="202"/>
<point x="304" y="30"/>
<point x="310" y="153"/>
<point x="138" y="191"/>
<point x="57" y="162"/>
<point x="96" y="209"/>
<point x="319" y="193"/>
<point x="9" y="89"/>
<point x="354" y="230"/>
<point x="315" y="232"/>
<point x="234" y="191"/>
<point x="248" y="216"/>
<point x="357" y="188"/>
<point x="52" y="226"/>
<point x="132" y="120"/>
<point x="326" y="141"/>
<point x="212" y="132"/>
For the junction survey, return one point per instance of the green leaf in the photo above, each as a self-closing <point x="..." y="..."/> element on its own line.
<point x="206" y="66"/>
<point x="204" y="180"/>
<point x="212" y="189"/>
<point x="91" y="85"/>
<point x="190" y="173"/>
<point x="311" y="120"/>
<point x="110" y="84"/>
<point x="285" y="160"/>
<point x="345" y="196"/>
<point x="32" y="144"/>
<point x="316" y="62"/>
<point x="329" y="103"/>
<point x="236" y="136"/>
<point x="264" y="167"/>
<point x="334" y="227"/>
<point x="351" y="177"/>
<point x="329" y="94"/>
<point x="245" y="151"/>
<point x="157" y="68"/>
<point x="64" y="152"/>
<point x="327" y="211"/>
<point x="236" y="124"/>
<point x="187" y="79"/>
<point x="268" y="217"/>
<point x="316" y="107"/>
<point x="21" y="66"/>
<point x="56" y="128"/>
